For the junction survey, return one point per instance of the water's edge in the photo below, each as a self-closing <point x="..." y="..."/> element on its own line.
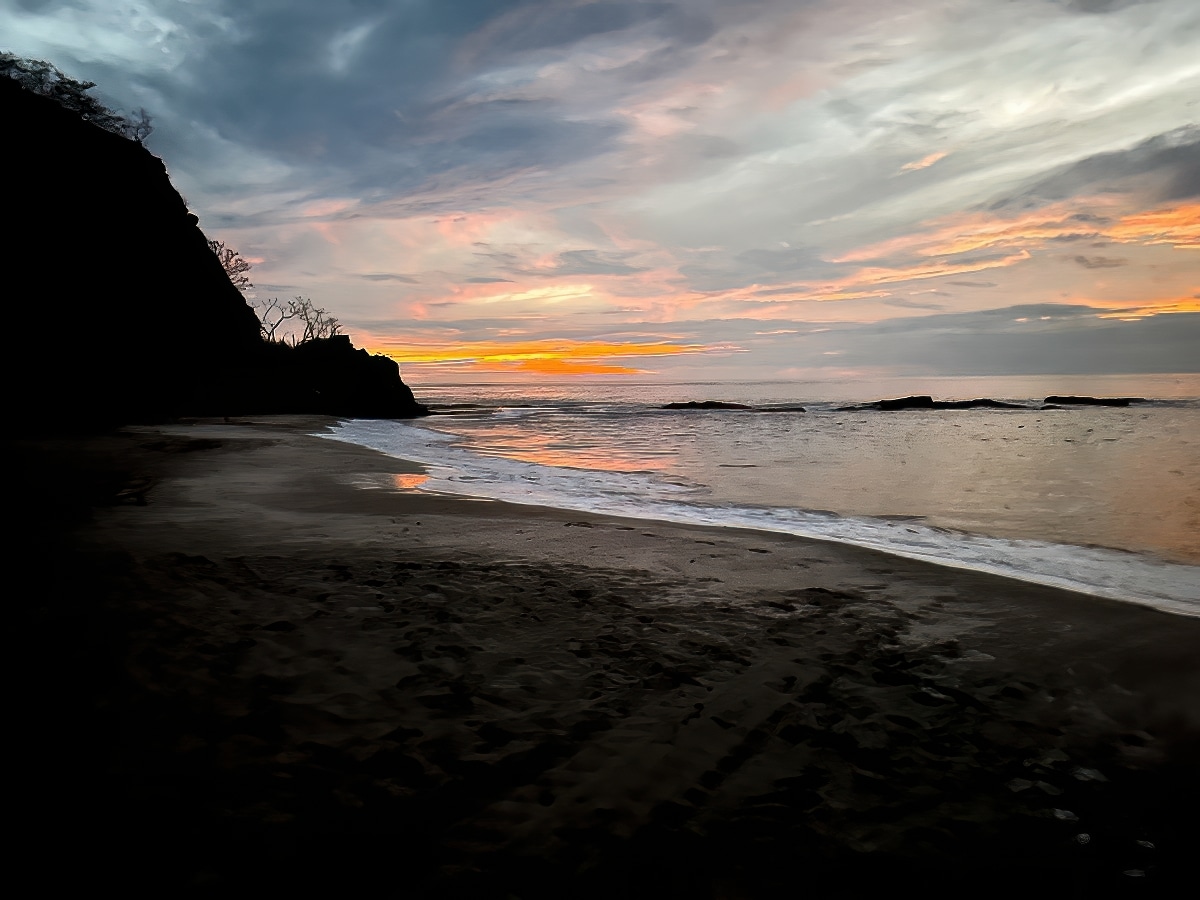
<point x="1111" y="574"/>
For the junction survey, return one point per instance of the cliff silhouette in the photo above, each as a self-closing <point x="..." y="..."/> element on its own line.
<point x="120" y="311"/>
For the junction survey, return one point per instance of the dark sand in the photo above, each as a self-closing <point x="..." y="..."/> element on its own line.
<point x="236" y="672"/>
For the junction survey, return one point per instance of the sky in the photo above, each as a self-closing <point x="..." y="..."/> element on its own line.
<point x="690" y="190"/>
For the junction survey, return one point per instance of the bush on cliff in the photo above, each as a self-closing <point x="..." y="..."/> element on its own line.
<point x="40" y="77"/>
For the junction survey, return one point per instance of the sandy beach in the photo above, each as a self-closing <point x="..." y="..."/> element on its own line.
<point x="250" y="660"/>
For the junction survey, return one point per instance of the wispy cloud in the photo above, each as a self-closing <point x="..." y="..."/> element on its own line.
<point x="925" y="162"/>
<point x="573" y="168"/>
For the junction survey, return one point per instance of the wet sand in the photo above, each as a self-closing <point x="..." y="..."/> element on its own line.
<point x="242" y="669"/>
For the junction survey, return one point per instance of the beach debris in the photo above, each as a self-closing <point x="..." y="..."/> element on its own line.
<point x="1083" y="839"/>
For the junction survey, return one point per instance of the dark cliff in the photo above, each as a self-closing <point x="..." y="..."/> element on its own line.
<point x="119" y="312"/>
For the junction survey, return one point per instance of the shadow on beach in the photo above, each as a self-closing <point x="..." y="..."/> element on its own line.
<point x="242" y="674"/>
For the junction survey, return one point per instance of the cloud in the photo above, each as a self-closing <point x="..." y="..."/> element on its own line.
<point x="591" y="262"/>
<point x="547" y="356"/>
<point x="1167" y="164"/>
<point x="386" y="276"/>
<point x="573" y="168"/>
<point x="925" y="162"/>
<point x="904" y="303"/>
<point x="1100" y="262"/>
<point x="1098" y="6"/>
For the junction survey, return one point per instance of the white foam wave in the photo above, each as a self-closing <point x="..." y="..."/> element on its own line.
<point x="453" y="469"/>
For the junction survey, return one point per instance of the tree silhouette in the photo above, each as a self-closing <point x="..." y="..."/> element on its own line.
<point x="317" y="322"/>
<point x="233" y="264"/>
<point x="41" y="77"/>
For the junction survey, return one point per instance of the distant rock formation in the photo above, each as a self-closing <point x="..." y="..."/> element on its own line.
<point x="118" y="310"/>
<point x="706" y="404"/>
<point x="1092" y="401"/>
<point x="926" y="402"/>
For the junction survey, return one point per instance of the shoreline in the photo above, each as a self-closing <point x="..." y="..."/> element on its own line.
<point x="291" y="680"/>
<point x="1143" y="577"/>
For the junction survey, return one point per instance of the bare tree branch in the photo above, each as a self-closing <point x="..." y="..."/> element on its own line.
<point x="233" y="264"/>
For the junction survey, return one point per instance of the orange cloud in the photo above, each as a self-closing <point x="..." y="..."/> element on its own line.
<point x="879" y="275"/>
<point x="854" y="286"/>
<point x="967" y="233"/>
<point x="540" y="357"/>
<point x="1146" y="310"/>
<point x="557" y="367"/>
<point x="1179" y="227"/>
<point x="925" y="162"/>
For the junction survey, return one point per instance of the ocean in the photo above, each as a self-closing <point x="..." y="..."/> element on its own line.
<point x="1101" y="500"/>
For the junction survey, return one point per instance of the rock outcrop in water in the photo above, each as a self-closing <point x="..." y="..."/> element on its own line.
<point x="706" y="404"/>
<point x="927" y="402"/>
<point x="119" y="310"/>
<point x="1056" y="400"/>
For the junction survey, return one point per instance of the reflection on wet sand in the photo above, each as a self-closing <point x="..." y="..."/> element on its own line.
<point x="408" y="482"/>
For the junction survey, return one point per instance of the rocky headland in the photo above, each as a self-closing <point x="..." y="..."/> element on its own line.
<point x="121" y="311"/>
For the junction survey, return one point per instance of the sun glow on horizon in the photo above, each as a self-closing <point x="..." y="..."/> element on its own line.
<point x="546" y="357"/>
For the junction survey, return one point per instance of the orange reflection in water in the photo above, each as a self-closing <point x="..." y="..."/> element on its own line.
<point x="519" y="441"/>
<point x="408" y="482"/>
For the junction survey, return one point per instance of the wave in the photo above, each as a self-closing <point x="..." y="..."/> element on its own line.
<point x="454" y="469"/>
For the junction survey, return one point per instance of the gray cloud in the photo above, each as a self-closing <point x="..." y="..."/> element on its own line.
<point x="1172" y="160"/>
<point x="1100" y="262"/>
<point x="780" y="261"/>
<point x="1098" y="6"/>
<point x="1012" y="340"/>
<point x="593" y="262"/>
<point x="912" y="304"/>
<point x="541" y="26"/>
<point x="997" y="344"/>
<point x="386" y="276"/>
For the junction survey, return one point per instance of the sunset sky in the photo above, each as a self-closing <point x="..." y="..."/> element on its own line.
<point x="700" y="189"/>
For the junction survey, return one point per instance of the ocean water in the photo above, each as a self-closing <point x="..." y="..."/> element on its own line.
<point x="1100" y="500"/>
